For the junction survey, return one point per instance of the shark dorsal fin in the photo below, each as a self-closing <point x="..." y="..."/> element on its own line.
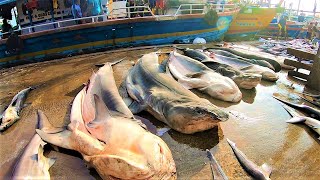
<point x="101" y="110"/>
<point x="45" y="125"/>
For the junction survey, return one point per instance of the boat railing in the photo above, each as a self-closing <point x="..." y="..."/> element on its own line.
<point x="202" y="8"/>
<point x="130" y="12"/>
<point x="125" y="13"/>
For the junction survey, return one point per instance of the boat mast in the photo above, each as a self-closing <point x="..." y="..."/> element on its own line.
<point x="298" y="7"/>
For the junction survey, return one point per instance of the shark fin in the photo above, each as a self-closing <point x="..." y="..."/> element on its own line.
<point x="61" y="139"/>
<point x="267" y="169"/>
<point x="232" y="144"/>
<point x="43" y="161"/>
<point x="162" y="131"/>
<point x="296" y="120"/>
<point x="101" y="110"/>
<point x="45" y="125"/>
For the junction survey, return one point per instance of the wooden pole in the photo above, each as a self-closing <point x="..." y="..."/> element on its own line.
<point x="314" y="77"/>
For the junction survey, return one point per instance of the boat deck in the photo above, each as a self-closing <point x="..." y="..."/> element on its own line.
<point x="257" y="126"/>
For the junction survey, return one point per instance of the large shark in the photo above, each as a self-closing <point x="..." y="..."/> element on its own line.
<point x="109" y="139"/>
<point x="195" y="75"/>
<point x="149" y="87"/>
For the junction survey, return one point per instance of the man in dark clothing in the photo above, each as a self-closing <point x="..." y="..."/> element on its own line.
<point x="6" y="28"/>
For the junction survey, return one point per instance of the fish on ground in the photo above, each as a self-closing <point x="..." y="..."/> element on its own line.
<point x="245" y="67"/>
<point x="300" y="118"/>
<point x="243" y="80"/>
<point x="115" y="143"/>
<point x="148" y="87"/>
<point x="251" y="55"/>
<point x="33" y="164"/>
<point x="12" y="113"/>
<point x="216" y="169"/>
<point x="262" y="172"/>
<point x="192" y="74"/>
<point x="252" y="61"/>
<point x="312" y="112"/>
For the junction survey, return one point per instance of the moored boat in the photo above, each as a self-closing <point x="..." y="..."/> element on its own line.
<point x="249" y="22"/>
<point x="294" y="29"/>
<point x="126" y="31"/>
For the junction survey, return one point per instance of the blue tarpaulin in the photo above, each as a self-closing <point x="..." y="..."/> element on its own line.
<point x="2" y="2"/>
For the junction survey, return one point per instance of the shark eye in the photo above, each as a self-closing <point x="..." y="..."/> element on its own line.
<point x="199" y="112"/>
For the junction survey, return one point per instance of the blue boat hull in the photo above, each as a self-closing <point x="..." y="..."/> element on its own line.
<point x="120" y="33"/>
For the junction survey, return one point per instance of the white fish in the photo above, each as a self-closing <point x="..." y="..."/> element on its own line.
<point x="262" y="172"/>
<point x="12" y="113"/>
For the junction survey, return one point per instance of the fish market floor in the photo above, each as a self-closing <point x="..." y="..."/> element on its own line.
<point x="257" y="124"/>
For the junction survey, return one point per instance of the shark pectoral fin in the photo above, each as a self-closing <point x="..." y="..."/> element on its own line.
<point x="61" y="139"/>
<point x="162" y="131"/>
<point x="296" y="120"/>
<point x="145" y="123"/>
<point x="267" y="169"/>
<point x="45" y="125"/>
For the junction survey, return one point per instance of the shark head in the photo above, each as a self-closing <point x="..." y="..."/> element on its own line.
<point x="247" y="80"/>
<point x="9" y="117"/>
<point x="190" y="116"/>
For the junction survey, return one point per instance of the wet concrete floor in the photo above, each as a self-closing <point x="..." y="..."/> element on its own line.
<point x="257" y="124"/>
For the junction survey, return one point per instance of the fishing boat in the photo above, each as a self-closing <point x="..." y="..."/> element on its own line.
<point x="109" y="30"/>
<point x="294" y="29"/>
<point x="249" y="22"/>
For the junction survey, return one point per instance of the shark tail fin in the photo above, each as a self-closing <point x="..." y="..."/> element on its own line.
<point x="296" y="120"/>
<point x="267" y="169"/>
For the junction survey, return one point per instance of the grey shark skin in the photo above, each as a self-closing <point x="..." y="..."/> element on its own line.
<point x="299" y="118"/>
<point x="243" y="80"/>
<point x="192" y="74"/>
<point x="148" y="87"/>
<point x="216" y="170"/>
<point x="255" y="171"/>
<point x="33" y="164"/>
<point x="252" y="61"/>
<point x="251" y="56"/>
<point x="244" y="66"/>
<point x="313" y="112"/>
<point x="11" y="114"/>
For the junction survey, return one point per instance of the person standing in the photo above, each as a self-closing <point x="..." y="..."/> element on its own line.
<point x="76" y="12"/>
<point x="309" y="32"/>
<point x="283" y="26"/>
<point x="6" y="28"/>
